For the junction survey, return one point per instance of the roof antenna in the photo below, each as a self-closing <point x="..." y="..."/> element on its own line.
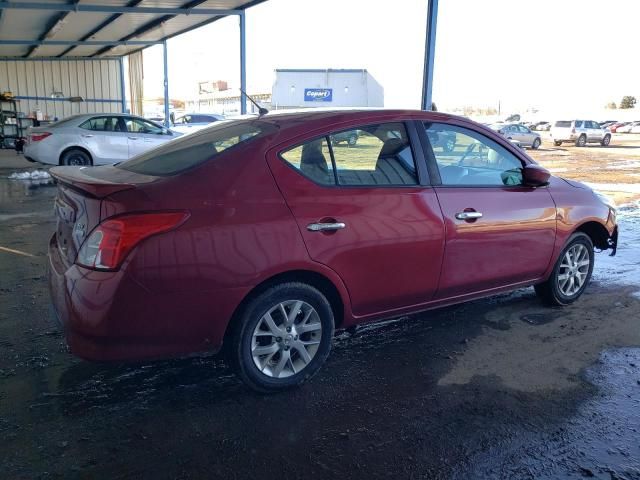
<point x="261" y="110"/>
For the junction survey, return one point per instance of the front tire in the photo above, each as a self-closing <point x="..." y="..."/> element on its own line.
<point x="536" y="144"/>
<point x="571" y="273"/>
<point x="76" y="157"/>
<point x="282" y="338"/>
<point x="606" y="141"/>
<point x="352" y="140"/>
<point x="582" y="141"/>
<point x="557" y="143"/>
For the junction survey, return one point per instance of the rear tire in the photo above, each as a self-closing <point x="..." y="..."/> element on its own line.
<point x="606" y="141"/>
<point x="271" y="351"/>
<point x="581" y="141"/>
<point x="567" y="282"/>
<point x="76" y="157"/>
<point x="557" y="143"/>
<point x="536" y="144"/>
<point x="352" y="140"/>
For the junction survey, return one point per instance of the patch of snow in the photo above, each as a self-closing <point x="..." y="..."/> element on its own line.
<point x="624" y="268"/>
<point x="34" y="175"/>
<point x="624" y="166"/>
<point x="615" y="187"/>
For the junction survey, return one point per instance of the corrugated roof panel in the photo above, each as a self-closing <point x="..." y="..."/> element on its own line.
<point x="18" y="24"/>
<point x="78" y="24"/>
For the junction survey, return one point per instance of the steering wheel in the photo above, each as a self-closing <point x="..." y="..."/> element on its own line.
<point x="467" y="152"/>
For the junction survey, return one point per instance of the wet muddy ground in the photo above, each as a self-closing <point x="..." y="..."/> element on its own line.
<point x="498" y="388"/>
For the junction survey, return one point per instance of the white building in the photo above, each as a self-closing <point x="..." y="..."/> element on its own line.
<point x="300" y="88"/>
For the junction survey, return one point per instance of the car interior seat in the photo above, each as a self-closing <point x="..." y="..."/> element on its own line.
<point x="313" y="162"/>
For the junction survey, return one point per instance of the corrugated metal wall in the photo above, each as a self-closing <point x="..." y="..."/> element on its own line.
<point x="33" y="82"/>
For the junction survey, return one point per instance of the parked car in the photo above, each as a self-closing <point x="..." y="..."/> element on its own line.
<point x="192" y="122"/>
<point x="635" y="128"/>
<point x="256" y="235"/>
<point x="94" y="139"/>
<point x="579" y="132"/>
<point x="520" y="133"/>
<point x="614" y="128"/>
<point x="628" y="128"/>
<point x="540" y="126"/>
<point x="350" y="138"/>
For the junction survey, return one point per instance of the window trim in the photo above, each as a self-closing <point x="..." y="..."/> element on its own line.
<point x="414" y="144"/>
<point x="432" y="162"/>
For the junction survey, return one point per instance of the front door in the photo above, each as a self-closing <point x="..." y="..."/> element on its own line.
<point x="365" y="212"/>
<point x="143" y="135"/>
<point x="498" y="232"/>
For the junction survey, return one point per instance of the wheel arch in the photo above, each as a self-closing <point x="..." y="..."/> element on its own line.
<point x="74" y="147"/>
<point x="309" y="277"/>
<point x="596" y="232"/>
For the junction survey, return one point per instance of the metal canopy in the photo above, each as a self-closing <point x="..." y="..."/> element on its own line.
<point x="95" y="28"/>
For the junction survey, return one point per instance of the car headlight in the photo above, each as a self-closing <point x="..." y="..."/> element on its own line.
<point x="608" y="201"/>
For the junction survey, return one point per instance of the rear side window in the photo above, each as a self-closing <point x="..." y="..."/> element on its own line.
<point x="191" y="150"/>
<point x="102" y="124"/>
<point x="375" y="155"/>
<point x="563" y="124"/>
<point x="313" y="159"/>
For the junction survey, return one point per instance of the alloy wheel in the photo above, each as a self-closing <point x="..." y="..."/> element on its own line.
<point x="286" y="339"/>
<point x="574" y="270"/>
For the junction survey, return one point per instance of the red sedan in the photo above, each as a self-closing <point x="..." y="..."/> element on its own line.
<point x="264" y="235"/>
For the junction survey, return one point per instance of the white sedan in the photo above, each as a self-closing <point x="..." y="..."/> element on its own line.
<point x="192" y="122"/>
<point x="94" y="139"/>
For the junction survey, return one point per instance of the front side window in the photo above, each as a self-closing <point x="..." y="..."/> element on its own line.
<point x="474" y="161"/>
<point x="137" y="125"/>
<point x="191" y="150"/>
<point x="372" y="155"/>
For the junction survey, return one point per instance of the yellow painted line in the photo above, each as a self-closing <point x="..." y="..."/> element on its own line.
<point x="17" y="252"/>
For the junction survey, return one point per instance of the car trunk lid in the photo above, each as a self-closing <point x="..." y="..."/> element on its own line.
<point x="81" y="193"/>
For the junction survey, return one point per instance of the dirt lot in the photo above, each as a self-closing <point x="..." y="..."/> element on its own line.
<point x="615" y="169"/>
<point x="498" y="388"/>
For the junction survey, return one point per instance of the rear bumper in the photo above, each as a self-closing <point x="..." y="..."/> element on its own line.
<point x="110" y="316"/>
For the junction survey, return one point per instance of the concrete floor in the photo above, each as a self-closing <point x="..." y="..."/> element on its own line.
<point x="498" y="388"/>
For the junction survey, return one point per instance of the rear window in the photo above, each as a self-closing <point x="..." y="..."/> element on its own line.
<point x="563" y="124"/>
<point x="191" y="150"/>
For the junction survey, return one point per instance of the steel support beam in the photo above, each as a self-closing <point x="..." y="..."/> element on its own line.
<point x="62" y="7"/>
<point x="243" y="66"/>
<point x="429" y="55"/>
<point x="80" y="43"/>
<point x="122" y="86"/>
<point x="165" y="60"/>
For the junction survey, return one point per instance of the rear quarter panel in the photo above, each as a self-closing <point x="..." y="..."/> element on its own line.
<point x="240" y="232"/>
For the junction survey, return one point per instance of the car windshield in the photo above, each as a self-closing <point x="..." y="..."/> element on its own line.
<point x="191" y="150"/>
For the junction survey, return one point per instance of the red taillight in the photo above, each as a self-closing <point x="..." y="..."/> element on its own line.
<point x="111" y="241"/>
<point x="36" y="137"/>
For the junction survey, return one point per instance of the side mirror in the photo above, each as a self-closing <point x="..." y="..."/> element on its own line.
<point x="535" y="176"/>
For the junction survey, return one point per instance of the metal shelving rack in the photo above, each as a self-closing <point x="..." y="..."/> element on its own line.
<point x="13" y="124"/>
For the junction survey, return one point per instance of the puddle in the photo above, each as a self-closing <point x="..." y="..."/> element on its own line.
<point x="599" y="441"/>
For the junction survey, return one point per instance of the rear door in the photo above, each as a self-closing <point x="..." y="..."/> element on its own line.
<point x="498" y="232"/>
<point x="367" y="212"/>
<point x="102" y="136"/>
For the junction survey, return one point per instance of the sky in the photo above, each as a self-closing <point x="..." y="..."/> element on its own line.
<point x="546" y="54"/>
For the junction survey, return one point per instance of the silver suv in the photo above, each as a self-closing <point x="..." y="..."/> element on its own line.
<point x="579" y="132"/>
